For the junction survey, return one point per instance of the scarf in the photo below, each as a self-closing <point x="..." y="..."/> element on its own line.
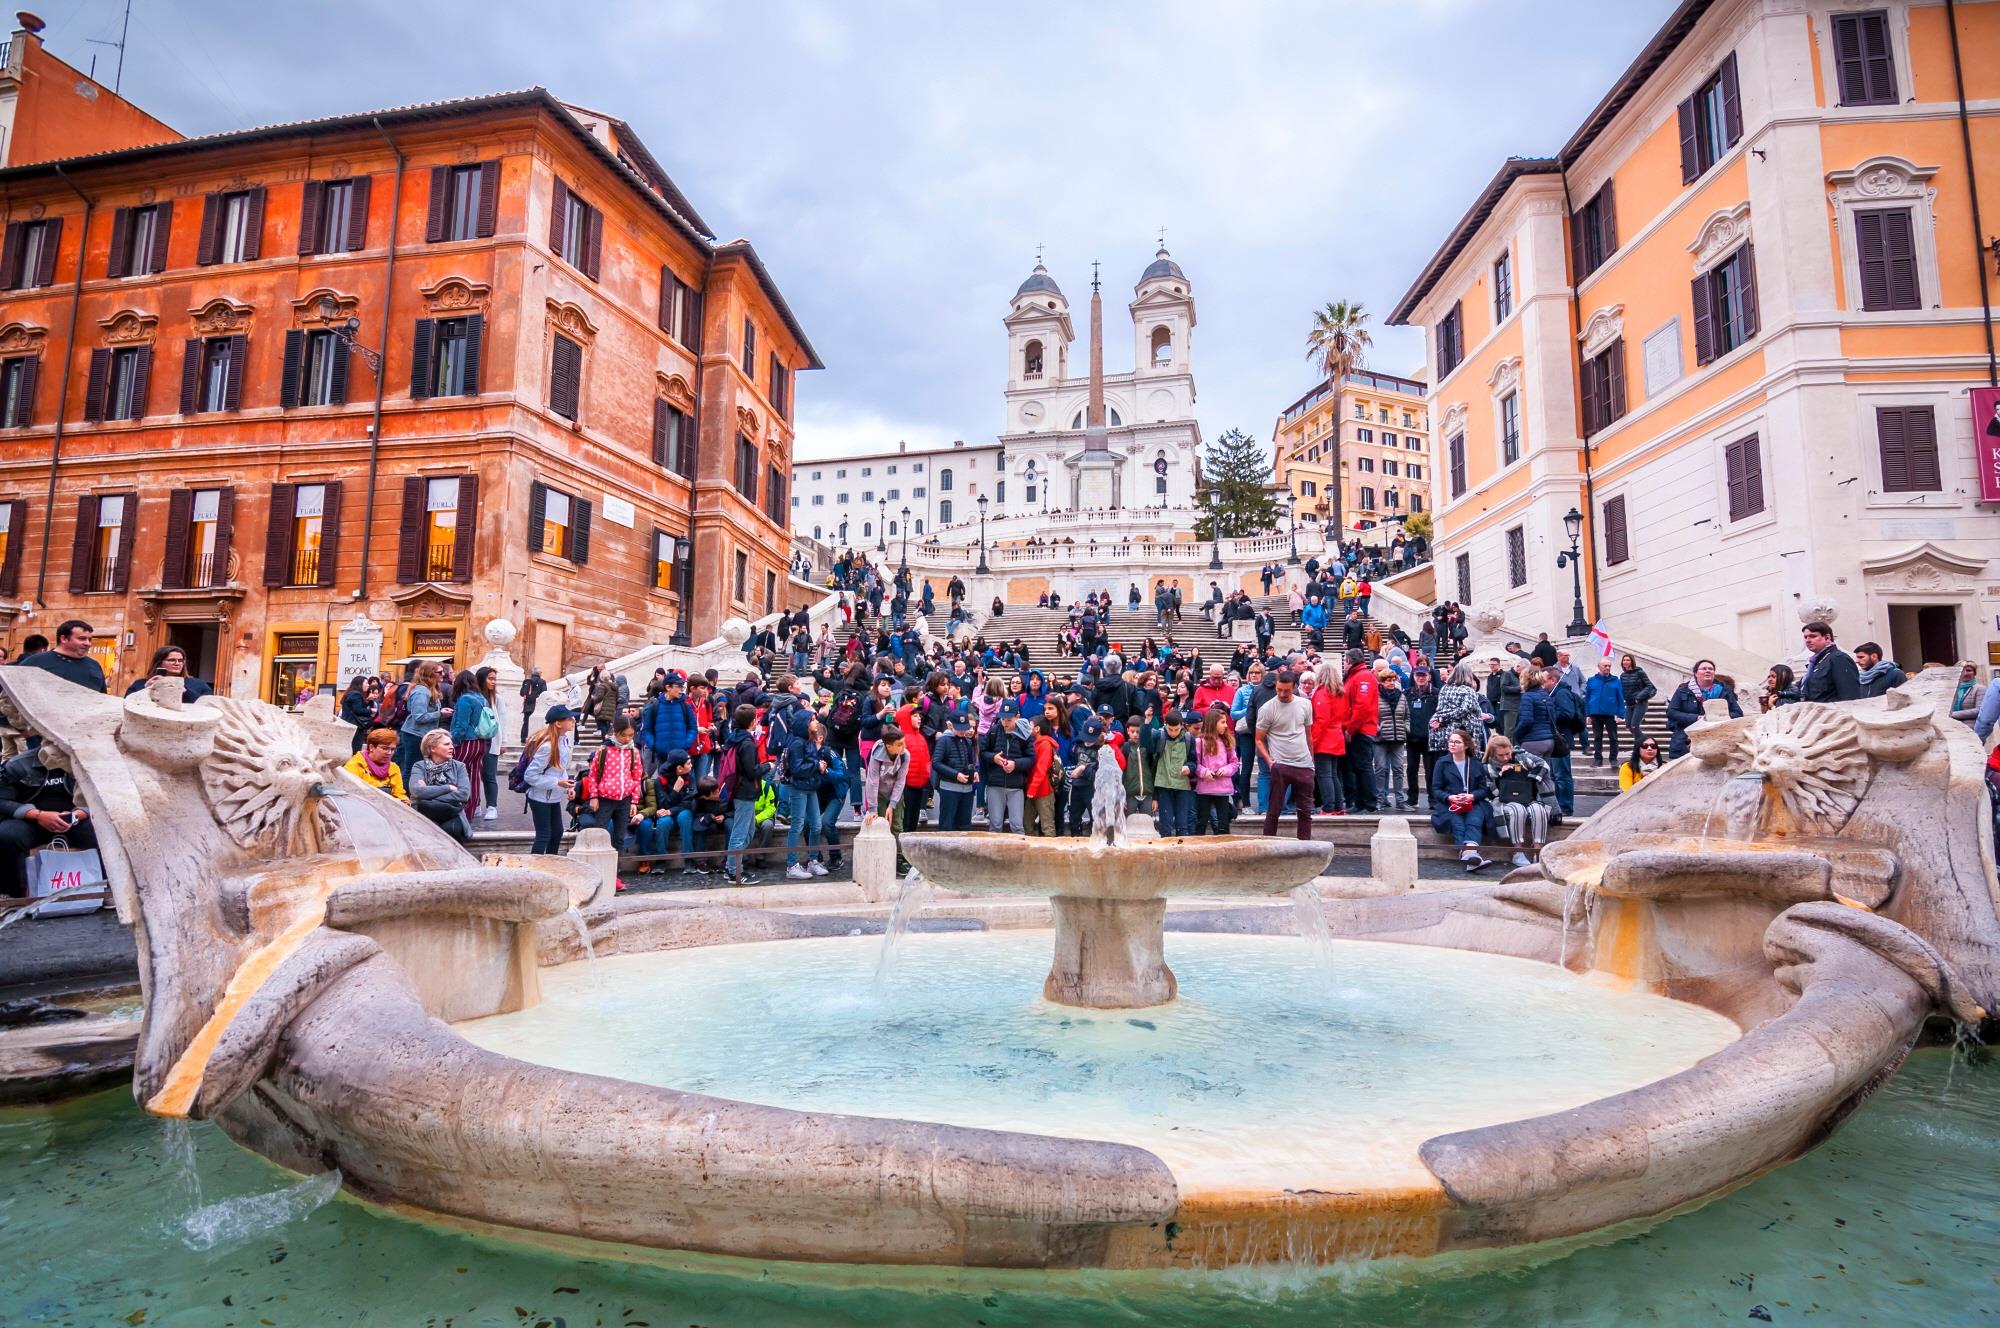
<point x="1876" y="670"/>
<point x="377" y="771"/>
<point x="428" y="771"/>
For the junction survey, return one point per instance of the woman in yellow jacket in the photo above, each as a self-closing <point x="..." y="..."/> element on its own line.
<point x="1645" y="759"/>
<point x="375" y="764"/>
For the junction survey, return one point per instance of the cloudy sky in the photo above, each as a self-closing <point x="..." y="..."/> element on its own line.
<point x="897" y="163"/>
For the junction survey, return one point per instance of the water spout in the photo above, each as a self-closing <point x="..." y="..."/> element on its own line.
<point x="1310" y="913"/>
<point x="911" y="896"/>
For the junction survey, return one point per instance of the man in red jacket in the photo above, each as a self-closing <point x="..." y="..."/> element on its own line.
<point x="1329" y="738"/>
<point x="1214" y="691"/>
<point x="1357" y="767"/>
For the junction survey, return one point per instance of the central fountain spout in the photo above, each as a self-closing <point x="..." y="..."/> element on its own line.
<point x="1109" y="892"/>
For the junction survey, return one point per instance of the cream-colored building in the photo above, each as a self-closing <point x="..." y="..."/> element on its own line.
<point x="1383" y="453"/>
<point x="1735" y="322"/>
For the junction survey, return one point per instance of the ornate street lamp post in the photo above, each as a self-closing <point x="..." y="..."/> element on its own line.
<point x="982" y="569"/>
<point x="882" y="525"/>
<point x="1209" y="496"/>
<point x="1292" y="519"/>
<point x="906" y="540"/>
<point x="1573" y="559"/>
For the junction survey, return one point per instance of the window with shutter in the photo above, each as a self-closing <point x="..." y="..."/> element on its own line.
<point x="1463" y="567"/>
<point x="1885" y="245"/>
<point x="423" y="371"/>
<point x="749" y="347"/>
<point x="1711" y="121"/>
<point x="17" y="391"/>
<point x="1866" y="69"/>
<point x="29" y="258"/>
<point x="1517" y="557"/>
<point x="411" y="529"/>
<point x="1593" y="232"/>
<point x="1906" y="437"/>
<point x="1510" y="432"/>
<point x="1617" y="545"/>
<point x="1503" y="287"/>
<point x="565" y="376"/>
<point x="1743" y="469"/>
<point x="462" y="203"/>
<point x="1456" y="451"/>
<point x="465" y="529"/>
<point x="13" y="534"/>
<point x="1450" y="341"/>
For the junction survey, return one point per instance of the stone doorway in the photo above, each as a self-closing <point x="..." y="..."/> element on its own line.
<point x="1921" y="634"/>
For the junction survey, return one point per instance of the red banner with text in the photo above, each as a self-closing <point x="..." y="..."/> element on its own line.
<point x="1986" y="441"/>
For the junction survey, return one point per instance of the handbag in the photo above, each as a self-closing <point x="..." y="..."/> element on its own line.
<point x="489" y="724"/>
<point x="75" y="874"/>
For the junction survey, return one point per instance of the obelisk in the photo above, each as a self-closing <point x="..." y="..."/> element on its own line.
<point x="1097" y="469"/>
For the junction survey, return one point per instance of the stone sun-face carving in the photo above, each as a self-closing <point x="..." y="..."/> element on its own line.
<point x="259" y="780"/>
<point x="1814" y="758"/>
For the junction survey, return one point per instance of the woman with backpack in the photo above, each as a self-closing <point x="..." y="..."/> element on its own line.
<point x="543" y="774"/>
<point x="474" y="724"/>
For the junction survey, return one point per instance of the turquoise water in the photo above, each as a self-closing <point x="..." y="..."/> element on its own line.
<point x="1272" y="1071"/>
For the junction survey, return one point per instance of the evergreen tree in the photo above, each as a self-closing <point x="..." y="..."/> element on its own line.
<point x="1236" y="476"/>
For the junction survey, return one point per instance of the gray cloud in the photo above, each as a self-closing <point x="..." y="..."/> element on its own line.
<point x="897" y="163"/>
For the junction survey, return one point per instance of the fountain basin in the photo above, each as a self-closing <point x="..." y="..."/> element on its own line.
<point x="980" y="862"/>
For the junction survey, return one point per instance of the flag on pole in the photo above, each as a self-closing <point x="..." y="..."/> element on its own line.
<point x="1600" y="640"/>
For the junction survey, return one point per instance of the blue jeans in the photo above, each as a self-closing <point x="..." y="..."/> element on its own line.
<point x="548" y="826"/>
<point x="1465" y="828"/>
<point x="802" y="805"/>
<point x="954" y="808"/>
<point x="742" y="820"/>
<point x="653" y="831"/>
<point x="1176" y="811"/>
<point x="830" y="805"/>
<point x="1565" y="784"/>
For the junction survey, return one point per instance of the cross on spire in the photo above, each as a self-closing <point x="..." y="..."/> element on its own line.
<point x="1163" y="237"/>
<point x="1093" y="274"/>
<point x="1038" y="255"/>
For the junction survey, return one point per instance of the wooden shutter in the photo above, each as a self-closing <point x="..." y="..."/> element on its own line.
<point x="565" y="373"/>
<point x="81" y="544"/>
<point x="225" y="530"/>
<point x="142" y="378"/>
<point x="10" y="567"/>
<point x="190" y="375"/>
<point x="1607" y="222"/>
<point x="538" y="514"/>
<point x="329" y="534"/>
<point x="1907" y="439"/>
<point x="438" y="224"/>
<point x="278" y="534"/>
<point x="660" y="423"/>
<point x="180" y="520"/>
<point x="691" y="326"/>
<point x="119" y="262"/>
<point x="1613" y="405"/>
<point x="310" y="200"/>
<point x="357" y="213"/>
<point x="593" y="243"/>
<point x="340" y="359"/>
<point x="410" y="549"/>
<point x="45" y="272"/>
<point x="95" y="384"/>
<point x="1867" y="71"/>
<point x="1746" y="276"/>
<point x="475" y="336"/>
<point x="468" y="528"/>
<point x="1690" y="147"/>
<point x="10" y="254"/>
<point x="1457" y="450"/>
<point x="253" y="225"/>
<point x="667" y="298"/>
<point x="579" y="531"/>
<point x="1703" y="292"/>
<point x="1617" y="543"/>
<point x="1899" y="243"/>
<point x="1873" y="253"/>
<point x="1592" y="398"/>
<point x="128" y="538"/>
<point x="1732" y="106"/>
<point x="163" y="228"/>
<point x="211" y="229"/>
<point x="559" y="221"/>
<point x="239" y="354"/>
<point x="489" y="198"/>
<point x="1745" y="471"/>
<point x="420" y="359"/>
<point x="288" y="378"/>
<point x="24" y="408"/>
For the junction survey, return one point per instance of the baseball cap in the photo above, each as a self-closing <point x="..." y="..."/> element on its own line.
<point x="961" y="722"/>
<point x="673" y="679"/>
<point x="1093" y="729"/>
<point x="1106" y="711"/>
<point x="1009" y="710"/>
<point x="558" y="713"/>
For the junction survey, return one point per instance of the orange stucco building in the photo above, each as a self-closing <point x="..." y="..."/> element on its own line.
<point x="1383" y="453"/>
<point x="1734" y="322"/>
<point x="581" y="421"/>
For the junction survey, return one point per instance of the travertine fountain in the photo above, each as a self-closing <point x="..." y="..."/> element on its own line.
<point x="1820" y="877"/>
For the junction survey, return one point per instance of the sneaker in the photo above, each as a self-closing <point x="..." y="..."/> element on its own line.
<point x="1520" y="859"/>
<point x="490" y="814"/>
<point x="621" y="888"/>
<point x="1473" y="862"/>
<point x="816" y="868"/>
<point x="798" y="872"/>
<point x="693" y="871"/>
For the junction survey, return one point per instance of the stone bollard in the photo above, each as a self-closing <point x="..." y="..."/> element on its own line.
<point x="1139" y="826"/>
<point x="593" y="849"/>
<point x="874" y="851"/>
<point x="1392" y="854"/>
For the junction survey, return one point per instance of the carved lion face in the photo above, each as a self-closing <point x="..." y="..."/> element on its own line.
<point x="1814" y="757"/>
<point x="260" y="781"/>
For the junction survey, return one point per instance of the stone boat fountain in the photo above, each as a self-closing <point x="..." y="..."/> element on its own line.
<point x="337" y="985"/>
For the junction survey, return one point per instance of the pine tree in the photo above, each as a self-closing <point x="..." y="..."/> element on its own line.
<point x="1237" y="476"/>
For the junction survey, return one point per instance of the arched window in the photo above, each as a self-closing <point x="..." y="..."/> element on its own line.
<point x="1000" y="492"/>
<point x="1031" y="359"/>
<point x="816" y="534"/>
<point x="920" y="525"/>
<point x="1112" y="418"/>
<point x="944" y="482"/>
<point x="944" y="509"/>
<point x="1163" y="346"/>
<point x="867" y="529"/>
<point x="892" y="528"/>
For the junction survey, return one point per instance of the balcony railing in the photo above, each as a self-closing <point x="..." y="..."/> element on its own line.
<point x="305" y="567"/>
<point x="439" y="559"/>
<point x="203" y="573"/>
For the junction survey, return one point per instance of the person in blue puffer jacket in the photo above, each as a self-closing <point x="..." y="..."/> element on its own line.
<point x="1535" y="728"/>
<point x="668" y="723"/>
<point x="1604" y="706"/>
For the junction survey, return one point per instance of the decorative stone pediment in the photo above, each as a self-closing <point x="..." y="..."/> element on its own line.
<point x="1719" y="236"/>
<point x="1882" y="179"/>
<point x="1604" y="327"/>
<point x="431" y="601"/>
<point x="452" y="296"/>
<point x="747" y="421"/>
<point x="220" y="317"/>
<point x="677" y="391"/>
<point x="1506" y="376"/>
<point x="307" y="310"/>
<point x="1924" y="567"/>
<point x="20" y="338"/>
<point x="570" y="320"/>
<point x="129" y="327"/>
<point x="1453" y="420"/>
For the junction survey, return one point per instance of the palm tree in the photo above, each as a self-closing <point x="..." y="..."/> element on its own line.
<point x="1338" y="342"/>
